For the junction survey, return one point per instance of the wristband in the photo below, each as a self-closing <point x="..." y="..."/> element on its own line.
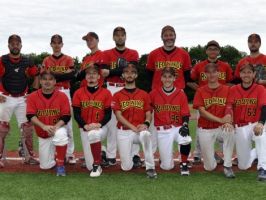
<point x="147" y="123"/>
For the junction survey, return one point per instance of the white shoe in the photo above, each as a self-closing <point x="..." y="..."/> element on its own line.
<point x="96" y="171"/>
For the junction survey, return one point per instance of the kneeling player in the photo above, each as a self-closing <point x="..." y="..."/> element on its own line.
<point x="171" y="117"/>
<point x="213" y="123"/>
<point x="248" y="101"/>
<point x="92" y="111"/>
<point x="132" y="109"/>
<point x="49" y="110"/>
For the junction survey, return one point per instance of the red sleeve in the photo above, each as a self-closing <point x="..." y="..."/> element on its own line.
<point x="229" y="73"/>
<point x="31" y="106"/>
<point x="198" y="100"/>
<point x="135" y="56"/>
<point x="187" y="61"/>
<point x="2" y="69"/>
<point x="76" y="99"/>
<point x="184" y="105"/>
<point x="147" y="103"/>
<point x="108" y="99"/>
<point x="151" y="62"/>
<point x="115" y="102"/>
<point x="65" y="107"/>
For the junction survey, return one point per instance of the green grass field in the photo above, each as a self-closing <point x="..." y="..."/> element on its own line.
<point x="200" y="185"/>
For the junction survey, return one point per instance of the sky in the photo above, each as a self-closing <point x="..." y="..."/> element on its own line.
<point x="195" y="21"/>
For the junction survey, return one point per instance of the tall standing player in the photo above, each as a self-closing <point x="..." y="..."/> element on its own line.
<point x="133" y="112"/>
<point x="15" y="70"/>
<point x="210" y="101"/>
<point x="49" y="110"/>
<point x="62" y="66"/>
<point x="247" y="105"/>
<point x="92" y="111"/>
<point x="112" y="74"/>
<point x="171" y="117"/>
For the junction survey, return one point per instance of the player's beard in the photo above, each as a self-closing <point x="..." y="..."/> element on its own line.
<point x="254" y="50"/>
<point x="15" y="51"/>
<point x="120" y="44"/>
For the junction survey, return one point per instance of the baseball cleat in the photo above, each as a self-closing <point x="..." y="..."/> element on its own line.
<point x="261" y="174"/>
<point x="111" y="161"/>
<point x="184" y="171"/>
<point x="105" y="162"/>
<point x="31" y="161"/>
<point x="151" y="173"/>
<point x="71" y="160"/>
<point x="228" y="172"/>
<point x="218" y="159"/>
<point x="96" y="171"/>
<point x="196" y="160"/>
<point x="137" y="163"/>
<point x="60" y="171"/>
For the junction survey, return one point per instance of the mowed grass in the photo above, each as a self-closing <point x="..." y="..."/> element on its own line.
<point x="200" y="185"/>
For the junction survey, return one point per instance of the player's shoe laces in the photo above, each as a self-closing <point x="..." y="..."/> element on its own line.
<point x="184" y="171"/>
<point x="261" y="174"/>
<point x="151" y="173"/>
<point x="96" y="171"/>
<point x="137" y="163"/>
<point x="60" y="171"/>
<point x="228" y="172"/>
<point x="71" y="160"/>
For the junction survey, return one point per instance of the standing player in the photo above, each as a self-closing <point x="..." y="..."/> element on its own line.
<point x="225" y="76"/>
<point x="62" y="66"/>
<point x="171" y="117"/>
<point x="248" y="103"/>
<point x="113" y="73"/>
<point x="168" y="55"/>
<point x="132" y="109"/>
<point x="255" y="58"/>
<point x="92" y="111"/>
<point x="49" y="110"/>
<point x="210" y="101"/>
<point x="14" y="72"/>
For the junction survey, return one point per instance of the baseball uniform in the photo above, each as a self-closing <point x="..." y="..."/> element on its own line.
<point x="214" y="102"/>
<point x="49" y="110"/>
<point x="133" y="106"/>
<point x="61" y="64"/>
<point x="247" y="104"/>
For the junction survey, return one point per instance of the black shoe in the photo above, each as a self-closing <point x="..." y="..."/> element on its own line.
<point x="184" y="171"/>
<point x="196" y="160"/>
<point x="111" y="161"/>
<point x="218" y="159"/>
<point x="151" y="173"/>
<point x="261" y="174"/>
<point x="105" y="162"/>
<point x="137" y="163"/>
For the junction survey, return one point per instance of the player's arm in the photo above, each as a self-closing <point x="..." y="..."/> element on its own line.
<point x="49" y="129"/>
<point x="146" y="123"/>
<point x="77" y="116"/>
<point x="209" y="116"/>
<point x="67" y="76"/>
<point x="124" y="121"/>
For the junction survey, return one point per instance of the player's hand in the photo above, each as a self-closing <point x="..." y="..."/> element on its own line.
<point x="49" y="129"/>
<point x="135" y="129"/>
<point x="227" y="127"/>
<point x="105" y="72"/>
<point x="184" y="130"/>
<point x="2" y="99"/>
<point x="258" y="129"/>
<point x="142" y="127"/>
<point x="226" y="119"/>
<point x="69" y="70"/>
<point x="92" y="126"/>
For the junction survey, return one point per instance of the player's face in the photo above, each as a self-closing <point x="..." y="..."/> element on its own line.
<point x="247" y="75"/>
<point x="14" y="47"/>
<point x="120" y="38"/>
<point x="212" y="75"/>
<point x="168" y="38"/>
<point x="92" y="43"/>
<point x="254" y="46"/>
<point x="48" y="82"/>
<point x="212" y="52"/>
<point x="130" y="74"/>
<point x="57" y="46"/>
<point x="168" y="80"/>
<point x="92" y="77"/>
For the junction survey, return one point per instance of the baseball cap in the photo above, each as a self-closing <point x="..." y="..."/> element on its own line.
<point x="213" y="43"/>
<point x="169" y="70"/>
<point x="92" y="67"/>
<point x="133" y="65"/>
<point x="245" y="65"/>
<point x="210" y="65"/>
<point x="167" y="27"/>
<point x="90" y="35"/>
<point x="119" y="28"/>
<point x="56" y="37"/>
<point x="254" y="36"/>
<point x="14" y="37"/>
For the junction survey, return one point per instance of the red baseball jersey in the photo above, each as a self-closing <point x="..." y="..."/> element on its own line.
<point x="247" y="103"/>
<point x="132" y="105"/>
<point x="92" y="105"/>
<point x="225" y="73"/>
<point x="179" y="59"/>
<point x="169" y="109"/>
<point x="48" y="111"/>
<point x="110" y="58"/>
<point x="214" y="101"/>
<point x="60" y="65"/>
<point x="90" y="59"/>
<point x="259" y="60"/>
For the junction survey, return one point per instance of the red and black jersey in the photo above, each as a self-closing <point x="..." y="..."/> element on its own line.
<point x="92" y="105"/>
<point x="247" y="104"/>
<point x="133" y="105"/>
<point x="110" y="58"/>
<point x="48" y="111"/>
<point x="169" y="109"/>
<point x="225" y="72"/>
<point x="158" y="59"/>
<point x="214" y="101"/>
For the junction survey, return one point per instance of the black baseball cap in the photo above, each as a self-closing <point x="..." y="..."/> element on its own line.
<point x="213" y="43"/>
<point x="211" y="66"/>
<point x="119" y="28"/>
<point x="90" y="35"/>
<point x="169" y="70"/>
<point x="133" y="65"/>
<point x="92" y="66"/>
<point x="56" y="37"/>
<point x="14" y="37"/>
<point x="254" y="36"/>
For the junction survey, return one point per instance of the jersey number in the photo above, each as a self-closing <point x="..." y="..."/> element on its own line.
<point x="251" y="111"/>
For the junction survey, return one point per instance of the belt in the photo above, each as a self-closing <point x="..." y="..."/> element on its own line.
<point x="124" y="128"/>
<point x="116" y="84"/>
<point x="165" y="127"/>
<point x="14" y="95"/>
<point x="242" y="124"/>
<point x="209" y="128"/>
